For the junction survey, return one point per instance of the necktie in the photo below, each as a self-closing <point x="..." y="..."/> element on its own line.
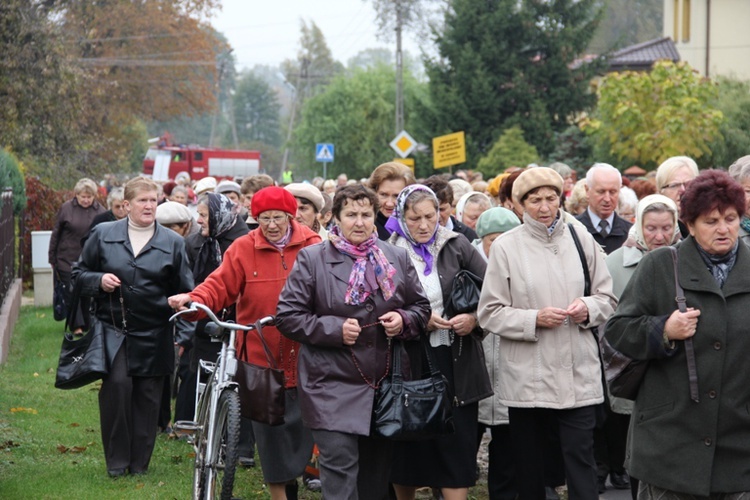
<point x="603" y="228"/>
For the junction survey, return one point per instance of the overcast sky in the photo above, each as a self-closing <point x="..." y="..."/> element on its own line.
<point x="268" y="31"/>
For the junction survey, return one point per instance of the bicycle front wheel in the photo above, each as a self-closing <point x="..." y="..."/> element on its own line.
<point x="219" y="468"/>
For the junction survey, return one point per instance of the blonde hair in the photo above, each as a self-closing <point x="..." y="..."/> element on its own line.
<point x="671" y="165"/>
<point x="138" y="185"/>
<point x="391" y="171"/>
<point x="577" y="202"/>
<point x="86" y="185"/>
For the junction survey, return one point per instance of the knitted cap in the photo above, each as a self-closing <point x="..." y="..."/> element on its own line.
<point x="227" y="186"/>
<point x="273" y="198"/>
<point x="172" y="212"/>
<point x="496" y="220"/>
<point x="308" y="192"/>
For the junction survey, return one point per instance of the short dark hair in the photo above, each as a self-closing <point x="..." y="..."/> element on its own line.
<point x="711" y="190"/>
<point x="441" y="188"/>
<point x="506" y="188"/>
<point x="354" y="192"/>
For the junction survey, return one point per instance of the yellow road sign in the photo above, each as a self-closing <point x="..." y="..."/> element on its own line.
<point x="449" y="150"/>
<point x="409" y="162"/>
<point x="403" y="144"/>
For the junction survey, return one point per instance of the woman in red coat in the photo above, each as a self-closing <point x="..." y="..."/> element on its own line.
<point x="252" y="273"/>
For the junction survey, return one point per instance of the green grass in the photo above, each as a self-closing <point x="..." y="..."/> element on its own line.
<point x="50" y="442"/>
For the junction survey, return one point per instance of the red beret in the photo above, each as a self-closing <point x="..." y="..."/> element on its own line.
<point x="273" y="198"/>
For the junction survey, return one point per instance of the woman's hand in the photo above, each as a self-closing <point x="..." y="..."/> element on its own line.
<point x="350" y="331"/>
<point x="551" y="317"/>
<point x="438" y="323"/>
<point x="578" y="311"/>
<point x="681" y="326"/>
<point x="110" y="282"/>
<point x="392" y="322"/>
<point x="463" y="324"/>
<point x="177" y="302"/>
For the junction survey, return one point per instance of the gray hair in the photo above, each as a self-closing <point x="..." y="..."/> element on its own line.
<point x="667" y="169"/>
<point x="740" y="169"/>
<point x="116" y="194"/>
<point x="561" y="168"/>
<point x="659" y="207"/>
<point x="601" y="167"/>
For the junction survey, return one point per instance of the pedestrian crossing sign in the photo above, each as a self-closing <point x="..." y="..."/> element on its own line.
<point x="324" y="152"/>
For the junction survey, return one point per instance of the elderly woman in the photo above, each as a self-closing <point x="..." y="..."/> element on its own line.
<point x="687" y="435"/>
<point x="470" y="206"/>
<point x="116" y="204"/>
<point x="491" y="224"/>
<point x="344" y="300"/>
<point x="533" y="299"/>
<point x="71" y="228"/>
<point x="438" y="254"/>
<point x="387" y="180"/>
<point x="310" y="202"/>
<point x="252" y="273"/>
<point x="672" y="179"/>
<point x="177" y="217"/>
<point x="740" y="172"/>
<point x="129" y="268"/>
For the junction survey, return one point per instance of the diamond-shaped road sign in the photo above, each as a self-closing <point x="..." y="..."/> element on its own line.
<point x="403" y="144"/>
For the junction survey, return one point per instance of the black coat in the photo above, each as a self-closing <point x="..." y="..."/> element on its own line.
<point x="159" y="271"/>
<point x="616" y="237"/>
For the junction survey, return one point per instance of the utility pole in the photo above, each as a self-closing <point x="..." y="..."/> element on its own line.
<point x="302" y="74"/>
<point x="219" y="75"/>
<point x="399" y="71"/>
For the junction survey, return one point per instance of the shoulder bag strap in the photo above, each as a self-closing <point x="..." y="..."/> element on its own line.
<point x="688" y="343"/>
<point x="584" y="264"/>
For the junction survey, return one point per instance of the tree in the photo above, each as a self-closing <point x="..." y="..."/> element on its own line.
<point x="510" y="150"/>
<point x="256" y="111"/>
<point x="734" y="132"/>
<point x="645" y="118"/>
<point x="511" y="62"/>
<point x="573" y="147"/>
<point x="11" y="177"/>
<point x="356" y="114"/>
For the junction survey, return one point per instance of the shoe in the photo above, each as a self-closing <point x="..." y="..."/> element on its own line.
<point x="550" y="493"/>
<point x="312" y="483"/>
<point x="116" y="472"/>
<point x="247" y="462"/>
<point x="620" y="481"/>
<point x="138" y="472"/>
<point x="602" y="482"/>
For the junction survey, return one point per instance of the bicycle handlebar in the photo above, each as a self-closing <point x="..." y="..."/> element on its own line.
<point x="197" y="306"/>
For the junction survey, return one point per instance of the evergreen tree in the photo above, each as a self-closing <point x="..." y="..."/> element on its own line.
<point x="511" y="62"/>
<point x="256" y="111"/>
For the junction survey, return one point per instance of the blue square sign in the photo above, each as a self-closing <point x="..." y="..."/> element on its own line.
<point x="324" y="152"/>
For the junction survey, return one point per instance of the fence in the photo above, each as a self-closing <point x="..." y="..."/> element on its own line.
<point x="7" y="243"/>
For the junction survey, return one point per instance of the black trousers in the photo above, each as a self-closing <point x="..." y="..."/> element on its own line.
<point x="501" y="474"/>
<point x="610" y="441"/>
<point x="128" y="413"/>
<point x="529" y="429"/>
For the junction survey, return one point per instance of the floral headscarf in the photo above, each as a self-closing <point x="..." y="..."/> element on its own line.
<point x="222" y="215"/>
<point x="397" y="224"/>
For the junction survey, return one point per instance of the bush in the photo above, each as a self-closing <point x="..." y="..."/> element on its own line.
<point x="11" y="176"/>
<point x="510" y="150"/>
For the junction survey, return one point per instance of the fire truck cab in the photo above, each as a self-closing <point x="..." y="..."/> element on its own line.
<point x="165" y="162"/>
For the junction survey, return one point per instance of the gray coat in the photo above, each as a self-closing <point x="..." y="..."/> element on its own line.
<point x="333" y="393"/>
<point x="675" y="443"/>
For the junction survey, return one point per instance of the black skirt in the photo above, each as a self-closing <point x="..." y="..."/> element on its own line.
<point x="446" y="462"/>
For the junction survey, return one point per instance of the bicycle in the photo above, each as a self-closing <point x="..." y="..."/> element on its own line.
<point x="215" y="432"/>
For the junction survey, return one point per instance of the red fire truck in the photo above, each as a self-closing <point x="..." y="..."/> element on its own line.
<point x="164" y="162"/>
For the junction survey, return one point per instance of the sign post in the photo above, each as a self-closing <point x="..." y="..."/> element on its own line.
<point x="324" y="153"/>
<point x="449" y="150"/>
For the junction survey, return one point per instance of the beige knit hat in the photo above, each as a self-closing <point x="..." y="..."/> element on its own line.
<point x="533" y="178"/>
<point x="308" y="192"/>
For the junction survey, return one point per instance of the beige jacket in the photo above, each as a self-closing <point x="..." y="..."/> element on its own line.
<point x="527" y="271"/>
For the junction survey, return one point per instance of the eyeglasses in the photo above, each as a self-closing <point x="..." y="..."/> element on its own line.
<point x="278" y="220"/>
<point x="677" y="185"/>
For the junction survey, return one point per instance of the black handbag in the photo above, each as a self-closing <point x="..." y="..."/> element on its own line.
<point x="60" y="308"/>
<point x="412" y="410"/>
<point x="82" y="361"/>
<point x="464" y="297"/>
<point x="261" y="388"/>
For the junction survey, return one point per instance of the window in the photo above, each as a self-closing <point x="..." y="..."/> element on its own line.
<point x="198" y="156"/>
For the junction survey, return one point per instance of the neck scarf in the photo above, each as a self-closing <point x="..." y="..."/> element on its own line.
<point x="371" y="268"/>
<point x="284" y="241"/>
<point x="222" y="215"/>
<point x="719" y="265"/>
<point x="397" y="224"/>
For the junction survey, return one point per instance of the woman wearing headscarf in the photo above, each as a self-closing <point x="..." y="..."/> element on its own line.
<point x="655" y="227"/>
<point x="533" y="299"/>
<point x="438" y="254"/>
<point x="252" y="273"/>
<point x="690" y="424"/>
<point x="470" y="206"/>
<point x="344" y="301"/>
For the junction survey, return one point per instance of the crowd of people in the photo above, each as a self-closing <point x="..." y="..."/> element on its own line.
<point x="350" y="268"/>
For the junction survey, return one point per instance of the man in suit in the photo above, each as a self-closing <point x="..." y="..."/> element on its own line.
<point x="603" y="183"/>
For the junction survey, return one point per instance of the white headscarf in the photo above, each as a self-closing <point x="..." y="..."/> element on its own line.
<point x="645" y="203"/>
<point x="462" y="203"/>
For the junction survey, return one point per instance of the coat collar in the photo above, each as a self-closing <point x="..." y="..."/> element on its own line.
<point x="694" y="275"/>
<point x="118" y="233"/>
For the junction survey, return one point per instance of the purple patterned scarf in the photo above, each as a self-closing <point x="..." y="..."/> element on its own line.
<point x="371" y="268"/>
